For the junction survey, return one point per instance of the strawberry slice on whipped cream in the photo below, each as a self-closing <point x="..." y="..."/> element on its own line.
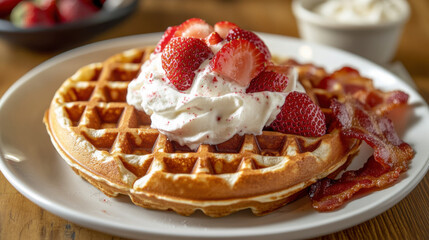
<point x="201" y="86"/>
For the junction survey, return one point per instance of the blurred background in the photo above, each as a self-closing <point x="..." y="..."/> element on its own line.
<point x="147" y="16"/>
<point x="271" y="16"/>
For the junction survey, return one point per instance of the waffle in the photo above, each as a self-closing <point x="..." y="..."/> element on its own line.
<point x="111" y="145"/>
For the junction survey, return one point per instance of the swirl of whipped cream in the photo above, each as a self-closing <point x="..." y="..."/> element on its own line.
<point x="212" y="111"/>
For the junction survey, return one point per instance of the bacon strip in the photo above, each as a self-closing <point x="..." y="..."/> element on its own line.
<point x="391" y="155"/>
<point x="347" y="81"/>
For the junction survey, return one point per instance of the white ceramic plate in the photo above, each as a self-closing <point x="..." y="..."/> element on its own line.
<point x="33" y="167"/>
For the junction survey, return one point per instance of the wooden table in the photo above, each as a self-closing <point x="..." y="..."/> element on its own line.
<point x="409" y="219"/>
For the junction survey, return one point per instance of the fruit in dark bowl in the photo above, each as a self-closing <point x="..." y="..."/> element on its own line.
<point x="54" y="24"/>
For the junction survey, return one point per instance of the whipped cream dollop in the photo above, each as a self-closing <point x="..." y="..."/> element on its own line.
<point x="361" y="11"/>
<point x="212" y="111"/>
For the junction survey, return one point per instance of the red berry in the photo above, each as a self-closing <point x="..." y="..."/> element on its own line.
<point x="6" y="6"/>
<point x="74" y="10"/>
<point x="239" y="60"/>
<point x="223" y="28"/>
<point x="50" y="6"/>
<point x="238" y="33"/>
<point x="299" y="115"/>
<point x="168" y="34"/>
<point x="213" y="39"/>
<point x="194" y="27"/>
<point x="181" y="57"/>
<point x="27" y="15"/>
<point x="268" y="80"/>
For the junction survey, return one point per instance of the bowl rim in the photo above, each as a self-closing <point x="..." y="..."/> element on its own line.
<point x="303" y="13"/>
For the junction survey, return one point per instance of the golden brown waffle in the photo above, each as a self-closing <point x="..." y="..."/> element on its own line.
<point x="111" y="145"/>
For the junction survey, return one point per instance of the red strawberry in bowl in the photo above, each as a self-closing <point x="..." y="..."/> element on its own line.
<point x="238" y="33"/>
<point x="300" y="115"/>
<point x="28" y="15"/>
<point x="194" y="27"/>
<point x="6" y="6"/>
<point x="181" y="57"/>
<point x="239" y="60"/>
<point x="74" y="10"/>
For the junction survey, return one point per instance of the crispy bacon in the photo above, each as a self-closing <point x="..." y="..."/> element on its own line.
<point x="391" y="155"/>
<point x="307" y="71"/>
<point x="347" y="81"/>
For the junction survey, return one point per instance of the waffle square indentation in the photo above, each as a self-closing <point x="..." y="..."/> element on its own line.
<point x="79" y="93"/>
<point x="115" y="94"/>
<point x="119" y="73"/>
<point x="109" y="117"/>
<point x="270" y="145"/>
<point x="180" y="165"/>
<point x="139" y="144"/>
<point x="74" y="113"/>
<point x="101" y="139"/>
<point x="233" y="145"/>
<point x="139" y="119"/>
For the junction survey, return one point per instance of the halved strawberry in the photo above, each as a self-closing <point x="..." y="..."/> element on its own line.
<point x="238" y="33"/>
<point x="181" y="57"/>
<point x="213" y="39"/>
<point x="268" y="80"/>
<point x="224" y="27"/>
<point x="168" y="34"/>
<point x="194" y="27"/>
<point x="299" y="115"/>
<point x="239" y="60"/>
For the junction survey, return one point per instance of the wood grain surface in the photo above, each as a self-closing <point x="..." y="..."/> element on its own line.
<point x="409" y="219"/>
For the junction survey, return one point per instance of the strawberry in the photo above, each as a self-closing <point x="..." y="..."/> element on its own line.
<point x="224" y="27"/>
<point x="181" y="57"/>
<point x="268" y="80"/>
<point x="194" y="27"/>
<point x="27" y="15"/>
<point x="239" y="60"/>
<point x="6" y="6"/>
<point x="213" y="39"/>
<point x="238" y="33"/>
<point x="299" y="115"/>
<point x="50" y="6"/>
<point x="74" y="10"/>
<point x="168" y="34"/>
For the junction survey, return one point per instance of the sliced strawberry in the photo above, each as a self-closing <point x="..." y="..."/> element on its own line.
<point x="238" y="33"/>
<point x="168" y="34"/>
<point x="181" y="57"/>
<point x="194" y="27"/>
<point x="268" y="80"/>
<point x="239" y="60"/>
<point x="224" y="27"/>
<point x="299" y="115"/>
<point x="213" y="39"/>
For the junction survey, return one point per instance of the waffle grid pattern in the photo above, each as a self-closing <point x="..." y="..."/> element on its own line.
<point x="94" y="103"/>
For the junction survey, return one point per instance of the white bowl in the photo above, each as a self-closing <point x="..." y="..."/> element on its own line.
<point x="374" y="41"/>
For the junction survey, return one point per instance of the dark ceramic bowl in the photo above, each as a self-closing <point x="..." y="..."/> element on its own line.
<point x="67" y="34"/>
